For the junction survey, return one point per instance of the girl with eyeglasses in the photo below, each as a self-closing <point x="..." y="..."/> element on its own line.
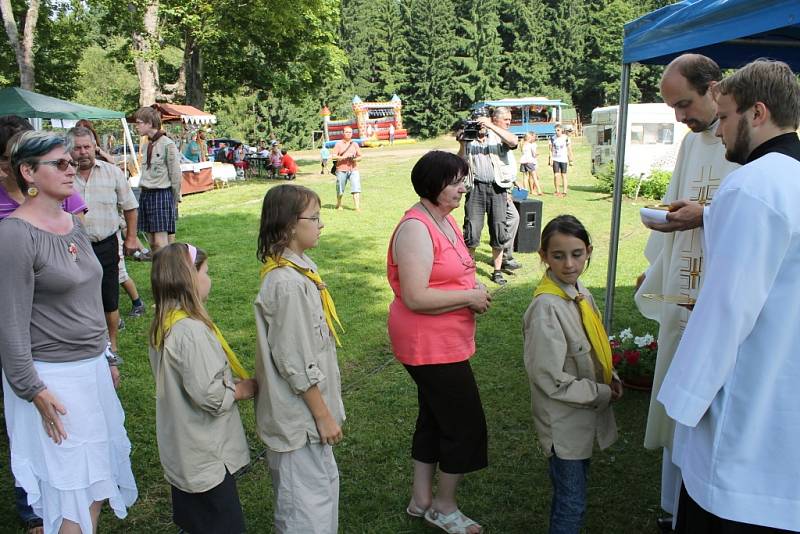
<point x="69" y="448"/>
<point x="299" y="410"/>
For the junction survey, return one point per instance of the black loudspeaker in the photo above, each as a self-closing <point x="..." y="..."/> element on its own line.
<point x="529" y="233"/>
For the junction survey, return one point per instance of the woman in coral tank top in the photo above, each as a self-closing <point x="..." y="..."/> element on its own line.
<point x="432" y="329"/>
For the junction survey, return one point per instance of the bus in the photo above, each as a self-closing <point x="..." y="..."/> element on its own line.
<point x="531" y="114"/>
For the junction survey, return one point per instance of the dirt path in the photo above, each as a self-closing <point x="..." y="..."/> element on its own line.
<point x="383" y="151"/>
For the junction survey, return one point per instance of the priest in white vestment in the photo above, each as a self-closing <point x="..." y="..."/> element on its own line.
<point x="676" y="258"/>
<point x="734" y="380"/>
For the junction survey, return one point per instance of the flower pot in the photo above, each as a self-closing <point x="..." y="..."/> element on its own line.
<point x="639" y="383"/>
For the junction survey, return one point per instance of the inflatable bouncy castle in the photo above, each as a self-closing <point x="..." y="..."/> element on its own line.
<point x="373" y="121"/>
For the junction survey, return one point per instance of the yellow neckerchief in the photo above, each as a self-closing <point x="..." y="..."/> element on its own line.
<point x="591" y="323"/>
<point x="238" y="369"/>
<point x="327" y="301"/>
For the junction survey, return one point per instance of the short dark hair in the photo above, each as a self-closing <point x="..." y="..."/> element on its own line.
<point x="436" y="170"/>
<point x="771" y="82"/>
<point x="699" y="71"/>
<point x="567" y="225"/>
<point x="149" y="116"/>
<point x="280" y="210"/>
<point x="10" y="125"/>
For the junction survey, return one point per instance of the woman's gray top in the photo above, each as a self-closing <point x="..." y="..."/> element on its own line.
<point x="52" y="310"/>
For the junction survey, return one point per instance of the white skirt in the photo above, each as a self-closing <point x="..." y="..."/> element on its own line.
<point x="92" y="464"/>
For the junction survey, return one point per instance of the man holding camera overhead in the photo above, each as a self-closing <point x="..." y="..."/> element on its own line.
<point x="486" y="146"/>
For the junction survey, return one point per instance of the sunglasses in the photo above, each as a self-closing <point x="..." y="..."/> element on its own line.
<point x="60" y="164"/>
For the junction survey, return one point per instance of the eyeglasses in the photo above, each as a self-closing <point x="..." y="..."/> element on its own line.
<point x="316" y="219"/>
<point x="60" y="164"/>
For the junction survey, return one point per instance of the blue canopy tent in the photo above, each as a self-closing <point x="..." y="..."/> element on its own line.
<point x="731" y="32"/>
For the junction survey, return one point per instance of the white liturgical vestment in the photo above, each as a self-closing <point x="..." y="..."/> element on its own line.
<point x="734" y="384"/>
<point x="676" y="263"/>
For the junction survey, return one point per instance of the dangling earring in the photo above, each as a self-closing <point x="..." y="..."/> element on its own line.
<point x="33" y="191"/>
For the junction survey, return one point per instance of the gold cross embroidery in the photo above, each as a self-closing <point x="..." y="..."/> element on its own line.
<point x="691" y="272"/>
<point x="706" y="185"/>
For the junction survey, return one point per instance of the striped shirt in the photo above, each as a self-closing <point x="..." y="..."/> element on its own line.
<point x="106" y="191"/>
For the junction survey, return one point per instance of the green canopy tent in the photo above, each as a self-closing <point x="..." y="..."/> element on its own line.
<point x="16" y="101"/>
<point x="30" y="105"/>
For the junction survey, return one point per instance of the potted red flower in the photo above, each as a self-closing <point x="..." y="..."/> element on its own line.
<point x="634" y="358"/>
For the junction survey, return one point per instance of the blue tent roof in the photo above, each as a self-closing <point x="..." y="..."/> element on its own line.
<point x="732" y="32"/>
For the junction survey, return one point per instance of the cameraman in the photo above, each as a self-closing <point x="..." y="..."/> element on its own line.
<point x="492" y="172"/>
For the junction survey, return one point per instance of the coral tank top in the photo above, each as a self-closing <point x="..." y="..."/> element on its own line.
<point x="422" y="339"/>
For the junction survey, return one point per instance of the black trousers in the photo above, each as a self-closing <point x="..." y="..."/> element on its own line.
<point x="451" y="425"/>
<point x="693" y="519"/>
<point x="216" y="511"/>
<point x="107" y="252"/>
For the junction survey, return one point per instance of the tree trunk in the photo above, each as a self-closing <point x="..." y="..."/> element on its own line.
<point x="193" y="63"/>
<point x="176" y="92"/>
<point x="24" y="49"/>
<point x="146" y="49"/>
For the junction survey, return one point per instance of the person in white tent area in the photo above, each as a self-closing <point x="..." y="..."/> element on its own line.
<point x="675" y="248"/>
<point x="732" y="384"/>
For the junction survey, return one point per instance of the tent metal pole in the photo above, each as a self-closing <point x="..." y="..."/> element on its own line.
<point x="619" y="169"/>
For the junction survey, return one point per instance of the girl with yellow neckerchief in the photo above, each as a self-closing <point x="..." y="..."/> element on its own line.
<point x="299" y="410"/>
<point x="201" y="441"/>
<point x="568" y="359"/>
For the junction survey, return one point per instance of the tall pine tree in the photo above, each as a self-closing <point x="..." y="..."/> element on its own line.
<point x="522" y="29"/>
<point x="428" y="92"/>
<point x="357" y="38"/>
<point x="564" y="47"/>
<point x="479" y="52"/>
<point x="389" y="49"/>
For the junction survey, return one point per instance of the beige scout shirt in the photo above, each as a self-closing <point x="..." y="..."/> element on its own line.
<point x="198" y="427"/>
<point x="165" y="167"/>
<point x="570" y="402"/>
<point x="295" y="350"/>
<point x="105" y="192"/>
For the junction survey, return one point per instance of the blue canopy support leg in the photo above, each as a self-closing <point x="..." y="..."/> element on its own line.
<point x="619" y="169"/>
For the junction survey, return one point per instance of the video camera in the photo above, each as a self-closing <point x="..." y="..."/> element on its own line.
<point x="471" y="126"/>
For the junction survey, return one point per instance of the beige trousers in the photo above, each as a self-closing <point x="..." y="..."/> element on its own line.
<point x="306" y="485"/>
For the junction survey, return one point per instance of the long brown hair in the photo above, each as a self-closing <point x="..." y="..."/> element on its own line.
<point x="173" y="279"/>
<point x="282" y="206"/>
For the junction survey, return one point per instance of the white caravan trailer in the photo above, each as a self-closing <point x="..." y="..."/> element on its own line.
<point x="652" y="140"/>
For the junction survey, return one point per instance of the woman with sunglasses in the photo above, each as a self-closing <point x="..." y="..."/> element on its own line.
<point x="432" y="330"/>
<point x="69" y="448"/>
<point x="11" y="197"/>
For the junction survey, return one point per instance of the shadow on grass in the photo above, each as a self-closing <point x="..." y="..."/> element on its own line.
<point x="586" y="188"/>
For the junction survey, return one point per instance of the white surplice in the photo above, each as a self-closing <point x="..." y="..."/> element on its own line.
<point x="676" y="263"/>
<point x="733" y="383"/>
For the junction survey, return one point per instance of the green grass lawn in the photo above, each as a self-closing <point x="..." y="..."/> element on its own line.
<point x="510" y="496"/>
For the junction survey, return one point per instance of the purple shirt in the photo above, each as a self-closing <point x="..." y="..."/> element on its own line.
<point x="73" y="204"/>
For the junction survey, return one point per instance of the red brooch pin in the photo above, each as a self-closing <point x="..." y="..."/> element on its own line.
<point x="73" y="250"/>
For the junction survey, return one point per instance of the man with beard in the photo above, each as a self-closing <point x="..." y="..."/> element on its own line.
<point x="732" y="385"/>
<point x="676" y="257"/>
<point x="104" y="188"/>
